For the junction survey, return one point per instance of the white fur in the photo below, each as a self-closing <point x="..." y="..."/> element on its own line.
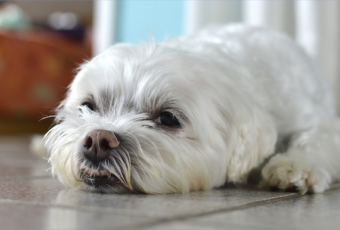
<point x="237" y="91"/>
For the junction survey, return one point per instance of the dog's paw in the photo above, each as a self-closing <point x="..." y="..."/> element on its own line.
<point x="286" y="173"/>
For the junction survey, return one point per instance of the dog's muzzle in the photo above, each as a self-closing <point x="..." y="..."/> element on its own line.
<point x="97" y="146"/>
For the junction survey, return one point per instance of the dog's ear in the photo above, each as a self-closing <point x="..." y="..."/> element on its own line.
<point x="254" y="139"/>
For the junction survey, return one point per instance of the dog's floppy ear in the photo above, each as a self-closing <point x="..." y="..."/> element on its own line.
<point x="254" y="139"/>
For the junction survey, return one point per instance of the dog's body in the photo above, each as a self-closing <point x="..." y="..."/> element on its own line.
<point x="194" y="112"/>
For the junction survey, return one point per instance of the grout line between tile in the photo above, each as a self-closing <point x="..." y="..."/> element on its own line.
<point x="215" y="211"/>
<point x="152" y="221"/>
<point x="155" y="220"/>
<point x="159" y="220"/>
<point x="225" y="209"/>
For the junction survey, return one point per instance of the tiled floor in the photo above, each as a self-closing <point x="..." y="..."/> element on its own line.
<point x="31" y="199"/>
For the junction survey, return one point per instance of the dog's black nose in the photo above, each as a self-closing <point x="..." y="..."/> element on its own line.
<point x="97" y="145"/>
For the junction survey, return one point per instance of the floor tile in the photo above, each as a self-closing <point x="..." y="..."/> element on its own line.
<point x="34" y="190"/>
<point x="193" y="224"/>
<point x="171" y="205"/>
<point x="14" y="216"/>
<point x="17" y="145"/>
<point x="30" y="198"/>
<point x="318" y="211"/>
<point x="51" y="192"/>
<point x="23" y="167"/>
<point x="18" y="162"/>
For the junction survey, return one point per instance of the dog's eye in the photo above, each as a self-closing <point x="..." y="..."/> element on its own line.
<point x="168" y="119"/>
<point x="88" y="105"/>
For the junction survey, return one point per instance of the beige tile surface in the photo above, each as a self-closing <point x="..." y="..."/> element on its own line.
<point x="15" y="145"/>
<point x="318" y="211"/>
<point x="16" y="161"/>
<point x="21" y="216"/>
<point x="51" y="192"/>
<point x="194" y="224"/>
<point x="31" y="166"/>
<point x="31" y="199"/>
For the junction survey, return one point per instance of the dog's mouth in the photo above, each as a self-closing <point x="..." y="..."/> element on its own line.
<point x="99" y="178"/>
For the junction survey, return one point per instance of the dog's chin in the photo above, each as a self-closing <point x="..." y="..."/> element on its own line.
<point x="102" y="184"/>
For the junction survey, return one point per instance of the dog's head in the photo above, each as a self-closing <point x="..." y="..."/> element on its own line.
<point x="154" y="119"/>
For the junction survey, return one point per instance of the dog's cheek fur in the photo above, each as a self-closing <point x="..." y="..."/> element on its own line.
<point x="172" y="163"/>
<point x="60" y="142"/>
<point x="161" y="163"/>
<point x="254" y="138"/>
<point x="224" y="139"/>
<point x="242" y="137"/>
<point x="236" y="134"/>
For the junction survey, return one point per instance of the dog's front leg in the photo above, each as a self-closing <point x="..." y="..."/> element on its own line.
<point x="311" y="162"/>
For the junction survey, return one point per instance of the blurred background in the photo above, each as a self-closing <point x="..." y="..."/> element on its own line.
<point x="42" y="42"/>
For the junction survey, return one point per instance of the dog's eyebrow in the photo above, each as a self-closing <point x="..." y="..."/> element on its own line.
<point x="106" y="100"/>
<point x="89" y="98"/>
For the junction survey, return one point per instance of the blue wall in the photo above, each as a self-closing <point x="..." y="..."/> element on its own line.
<point x="136" y="18"/>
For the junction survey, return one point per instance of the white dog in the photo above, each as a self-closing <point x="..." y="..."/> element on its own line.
<point x="194" y="112"/>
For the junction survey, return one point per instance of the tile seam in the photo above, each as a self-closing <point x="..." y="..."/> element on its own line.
<point x="156" y="220"/>
<point x="230" y="209"/>
<point x="220" y="210"/>
<point x="159" y="220"/>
